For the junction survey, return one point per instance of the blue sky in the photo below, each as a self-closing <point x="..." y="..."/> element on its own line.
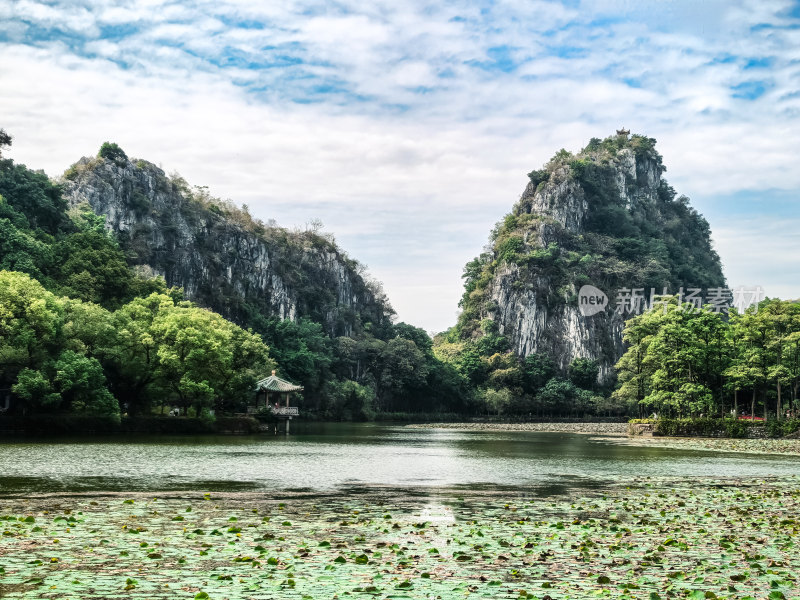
<point x="408" y="128"/>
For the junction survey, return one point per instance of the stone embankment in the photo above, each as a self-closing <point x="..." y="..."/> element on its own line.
<point x="747" y="446"/>
<point x="591" y="428"/>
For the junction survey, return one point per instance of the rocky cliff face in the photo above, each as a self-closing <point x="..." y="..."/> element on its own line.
<point x="604" y="217"/>
<point x="219" y="255"/>
<point x="533" y="324"/>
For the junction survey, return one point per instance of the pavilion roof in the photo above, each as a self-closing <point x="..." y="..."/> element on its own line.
<point x="273" y="383"/>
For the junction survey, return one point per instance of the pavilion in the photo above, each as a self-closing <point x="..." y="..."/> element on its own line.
<point x="273" y="392"/>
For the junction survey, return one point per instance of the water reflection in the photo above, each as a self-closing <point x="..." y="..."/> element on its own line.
<point x="347" y="457"/>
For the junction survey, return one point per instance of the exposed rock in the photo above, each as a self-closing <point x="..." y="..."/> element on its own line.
<point x="603" y="217"/>
<point x="219" y="255"/>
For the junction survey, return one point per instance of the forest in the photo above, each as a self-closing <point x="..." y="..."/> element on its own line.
<point x="82" y="331"/>
<point x="683" y="361"/>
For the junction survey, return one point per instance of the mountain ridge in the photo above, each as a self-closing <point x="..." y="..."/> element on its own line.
<point x="220" y="255"/>
<point x="602" y="217"/>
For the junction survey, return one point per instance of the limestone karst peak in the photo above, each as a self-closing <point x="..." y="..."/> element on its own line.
<point x="603" y="216"/>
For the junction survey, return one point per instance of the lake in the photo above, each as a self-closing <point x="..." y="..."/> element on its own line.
<point x="348" y="457"/>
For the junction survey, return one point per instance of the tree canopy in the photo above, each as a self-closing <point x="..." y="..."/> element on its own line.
<point x="682" y="361"/>
<point x="127" y="337"/>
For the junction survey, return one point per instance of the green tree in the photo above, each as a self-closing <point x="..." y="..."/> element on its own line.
<point x="680" y="354"/>
<point x="466" y="358"/>
<point x="583" y="373"/>
<point x="447" y="390"/>
<point x="88" y="329"/>
<point x="559" y="396"/>
<point x="31" y="322"/>
<point x="403" y="372"/>
<point x="780" y="317"/>
<point x="538" y="369"/>
<point x="673" y="361"/>
<point x="250" y="360"/>
<point x="634" y="373"/>
<point x="791" y="355"/>
<point x="358" y="358"/>
<point x="35" y="329"/>
<point x="417" y="335"/>
<point x="81" y="384"/>
<point x="133" y="360"/>
<point x="756" y="355"/>
<point x="193" y="347"/>
<point x="205" y="360"/>
<point x="504" y="371"/>
<point x="5" y="140"/>
<point x="348" y="401"/>
<point x="302" y="350"/>
<point x="20" y="250"/>
<point x="497" y="400"/>
<point x="33" y="197"/>
<point x="92" y="267"/>
<point x="36" y="391"/>
<point x="739" y="374"/>
<point x="111" y="151"/>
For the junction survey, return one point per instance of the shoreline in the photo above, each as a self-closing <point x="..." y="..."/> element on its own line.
<point x="610" y="429"/>
<point x="781" y="446"/>
<point x="617" y="434"/>
<point x="401" y="495"/>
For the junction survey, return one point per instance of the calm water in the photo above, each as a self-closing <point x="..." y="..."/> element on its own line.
<point x="328" y="457"/>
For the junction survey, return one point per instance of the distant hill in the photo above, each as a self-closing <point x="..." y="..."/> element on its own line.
<point x="222" y="257"/>
<point x="114" y="248"/>
<point x="603" y="217"/>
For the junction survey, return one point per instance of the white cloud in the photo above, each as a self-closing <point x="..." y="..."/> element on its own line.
<point x="761" y="251"/>
<point x="74" y="19"/>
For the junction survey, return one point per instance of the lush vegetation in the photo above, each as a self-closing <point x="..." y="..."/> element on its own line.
<point x="82" y="332"/>
<point x="358" y="377"/>
<point x="66" y="250"/>
<point x="692" y="539"/>
<point x="720" y="427"/>
<point x="684" y="362"/>
<point x="658" y="242"/>
<point x="65" y="355"/>
<point x="622" y="242"/>
<point x="532" y="387"/>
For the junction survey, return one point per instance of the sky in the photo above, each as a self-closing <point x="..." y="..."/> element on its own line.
<point x="408" y="128"/>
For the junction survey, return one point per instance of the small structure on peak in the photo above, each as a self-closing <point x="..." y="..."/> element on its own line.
<point x="623" y="131"/>
<point x="273" y="393"/>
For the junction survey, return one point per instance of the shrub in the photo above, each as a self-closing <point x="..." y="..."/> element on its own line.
<point x="735" y="428"/>
<point x="699" y="427"/>
<point x="111" y="151"/>
<point x="509" y="249"/>
<point x="777" y="429"/>
<point x="539" y="176"/>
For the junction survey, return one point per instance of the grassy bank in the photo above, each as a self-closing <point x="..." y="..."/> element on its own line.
<point x="704" y="539"/>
